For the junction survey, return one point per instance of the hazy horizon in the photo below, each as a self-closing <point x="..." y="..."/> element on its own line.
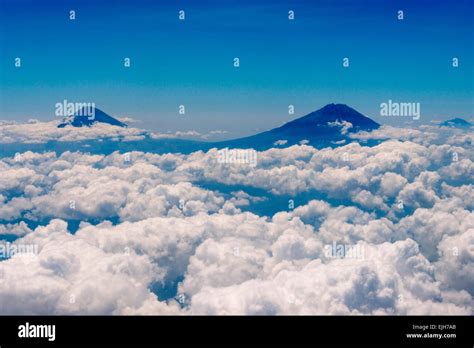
<point x="282" y="62"/>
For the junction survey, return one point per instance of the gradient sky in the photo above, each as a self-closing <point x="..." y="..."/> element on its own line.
<point x="282" y="62"/>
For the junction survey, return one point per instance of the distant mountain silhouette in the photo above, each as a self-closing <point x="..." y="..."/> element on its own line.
<point x="327" y="127"/>
<point x="456" y="123"/>
<point x="331" y="124"/>
<point x="81" y="119"/>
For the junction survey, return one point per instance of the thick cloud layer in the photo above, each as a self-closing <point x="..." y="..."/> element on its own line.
<point x="42" y="132"/>
<point x="388" y="229"/>
<point x="36" y="132"/>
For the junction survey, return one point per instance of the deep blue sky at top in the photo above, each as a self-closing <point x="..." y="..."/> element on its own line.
<point x="282" y="62"/>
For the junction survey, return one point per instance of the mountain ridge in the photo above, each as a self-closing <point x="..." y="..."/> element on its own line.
<point x="456" y="122"/>
<point x="84" y="117"/>
<point x="329" y="125"/>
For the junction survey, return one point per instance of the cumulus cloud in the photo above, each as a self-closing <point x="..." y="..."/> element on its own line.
<point x="148" y="222"/>
<point x="455" y="268"/>
<point x="424" y="135"/>
<point x="42" y="132"/>
<point x="193" y="134"/>
<point x="280" y="142"/>
<point x="343" y="125"/>
<point x="400" y="281"/>
<point x="18" y="229"/>
<point x="230" y="264"/>
<point x="71" y="276"/>
<point x="76" y="186"/>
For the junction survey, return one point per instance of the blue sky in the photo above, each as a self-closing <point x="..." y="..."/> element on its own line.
<point x="282" y="62"/>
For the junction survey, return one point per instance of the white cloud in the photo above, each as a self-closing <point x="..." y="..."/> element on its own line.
<point x="19" y="229"/>
<point x="456" y="266"/>
<point x="344" y="125"/>
<point x="193" y="134"/>
<point x="280" y="142"/>
<point x="42" y="132"/>
<point x="417" y="259"/>
<point x="404" y="285"/>
<point x="71" y="276"/>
